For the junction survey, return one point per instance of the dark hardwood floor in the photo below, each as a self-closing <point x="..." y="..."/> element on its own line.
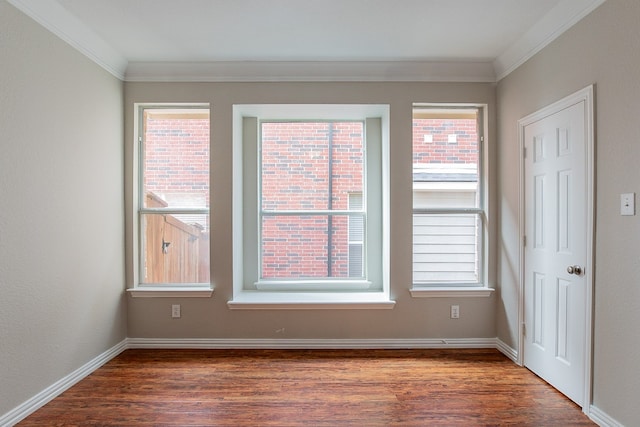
<point x="310" y="388"/>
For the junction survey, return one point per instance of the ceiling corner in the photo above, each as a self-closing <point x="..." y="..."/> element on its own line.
<point x="52" y="16"/>
<point x="558" y="20"/>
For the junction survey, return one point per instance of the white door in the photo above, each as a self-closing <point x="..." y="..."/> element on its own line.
<point x="556" y="252"/>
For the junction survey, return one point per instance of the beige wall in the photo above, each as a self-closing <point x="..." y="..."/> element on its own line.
<point x="211" y="318"/>
<point x="603" y="49"/>
<point x="61" y="209"/>
<point x="61" y="212"/>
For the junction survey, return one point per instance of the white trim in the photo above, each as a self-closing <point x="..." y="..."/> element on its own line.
<point x="449" y="187"/>
<point x="63" y="24"/>
<point x="28" y="407"/>
<point x="311" y="71"/>
<point x="248" y="292"/>
<point x="312" y="285"/>
<point x="55" y="18"/>
<point x="585" y="95"/>
<point x="45" y="396"/>
<point x="170" y="291"/>
<point x="450" y="292"/>
<point x="256" y="300"/>
<point x="602" y="419"/>
<point x="265" y="343"/>
<point x="558" y="20"/>
<point x="507" y="350"/>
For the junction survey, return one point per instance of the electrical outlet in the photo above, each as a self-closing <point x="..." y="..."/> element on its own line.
<point x="455" y="311"/>
<point x="175" y="311"/>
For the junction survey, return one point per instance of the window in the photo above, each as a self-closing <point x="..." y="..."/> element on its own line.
<point x="310" y="184"/>
<point x="173" y="195"/>
<point x="448" y="205"/>
<point x="308" y="173"/>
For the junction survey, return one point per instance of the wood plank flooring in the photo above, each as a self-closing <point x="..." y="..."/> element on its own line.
<point x="310" y="388"/>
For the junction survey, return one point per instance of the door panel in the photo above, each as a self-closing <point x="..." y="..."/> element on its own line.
<point x="556" y="219"/>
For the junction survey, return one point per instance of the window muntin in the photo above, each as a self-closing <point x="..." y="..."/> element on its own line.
<point x="308" y="169"/>
<point x="174" y="228"/>
<point x="448" y="215"/>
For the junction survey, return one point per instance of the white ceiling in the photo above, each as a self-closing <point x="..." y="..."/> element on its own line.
<point x="459" y="40"/>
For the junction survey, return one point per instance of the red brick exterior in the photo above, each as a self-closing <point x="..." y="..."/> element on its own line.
<point x="177" y="156"/>
<point x="295" y="175"/>
<point x="464" y="151"/>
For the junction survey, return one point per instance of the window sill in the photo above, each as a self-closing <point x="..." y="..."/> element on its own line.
<point x="171" y="291"/>
<point x="448" y="292"/>
<point x="250" y="300"/>
<point x="312" y="285"/>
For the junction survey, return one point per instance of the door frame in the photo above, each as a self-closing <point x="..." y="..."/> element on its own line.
<point x="585" y="95"/>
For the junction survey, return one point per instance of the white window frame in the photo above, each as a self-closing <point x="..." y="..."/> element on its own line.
<point x="154" y="290"/>
<point x="249" y="292"/>
<point x="463" y="289"/>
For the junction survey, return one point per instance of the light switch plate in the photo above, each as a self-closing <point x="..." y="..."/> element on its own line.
<point x="628" y="204"/>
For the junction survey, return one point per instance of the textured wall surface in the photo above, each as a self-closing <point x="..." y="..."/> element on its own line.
<point x="602" y="49"/>
<point x="211" y="318"/>
<point x="61" y="210"/>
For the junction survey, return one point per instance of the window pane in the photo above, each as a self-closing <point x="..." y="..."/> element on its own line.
<point x="176" y="248"/>
<point x="356" y="260"/>
<point x="308" y="246"/>
<point x="175" y="175"/>
<point x="356" y="237"/>
<point x="310" y="165"/>
<point x="445" y="159"/>
<point x="175" y="158"/>
<point x="446" y="248"/>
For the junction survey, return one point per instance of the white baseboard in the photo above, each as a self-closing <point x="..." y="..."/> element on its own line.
<point x="508" y="351"/>
<point x="36" y="402"/>
<point x="258" y="343"/>
<point x="602" y="419"/>
<point x="596" y="415"/>
<point x="45" y="396"/>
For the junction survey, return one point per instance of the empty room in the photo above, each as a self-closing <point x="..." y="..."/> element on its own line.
<point x="284" y="212"/>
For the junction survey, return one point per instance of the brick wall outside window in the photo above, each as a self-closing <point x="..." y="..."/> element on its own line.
<point x="464" y="151"/>
<point x="177" y="158"/>
<point x="295" y="176"/>
<point x="175" y="166"/>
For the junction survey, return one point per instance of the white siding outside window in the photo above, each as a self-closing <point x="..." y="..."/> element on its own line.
<point x="448" y="213"/>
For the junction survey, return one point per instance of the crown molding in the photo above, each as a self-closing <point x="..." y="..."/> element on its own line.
<point x="558" y="20"/>
<point x="55" y="18"/>
<point x="310" y="71"/>
<point x="52" y="16"/>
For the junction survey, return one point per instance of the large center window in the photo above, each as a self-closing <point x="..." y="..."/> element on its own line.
<point x="311" y="176"/>
<point x="310" y="184"/>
